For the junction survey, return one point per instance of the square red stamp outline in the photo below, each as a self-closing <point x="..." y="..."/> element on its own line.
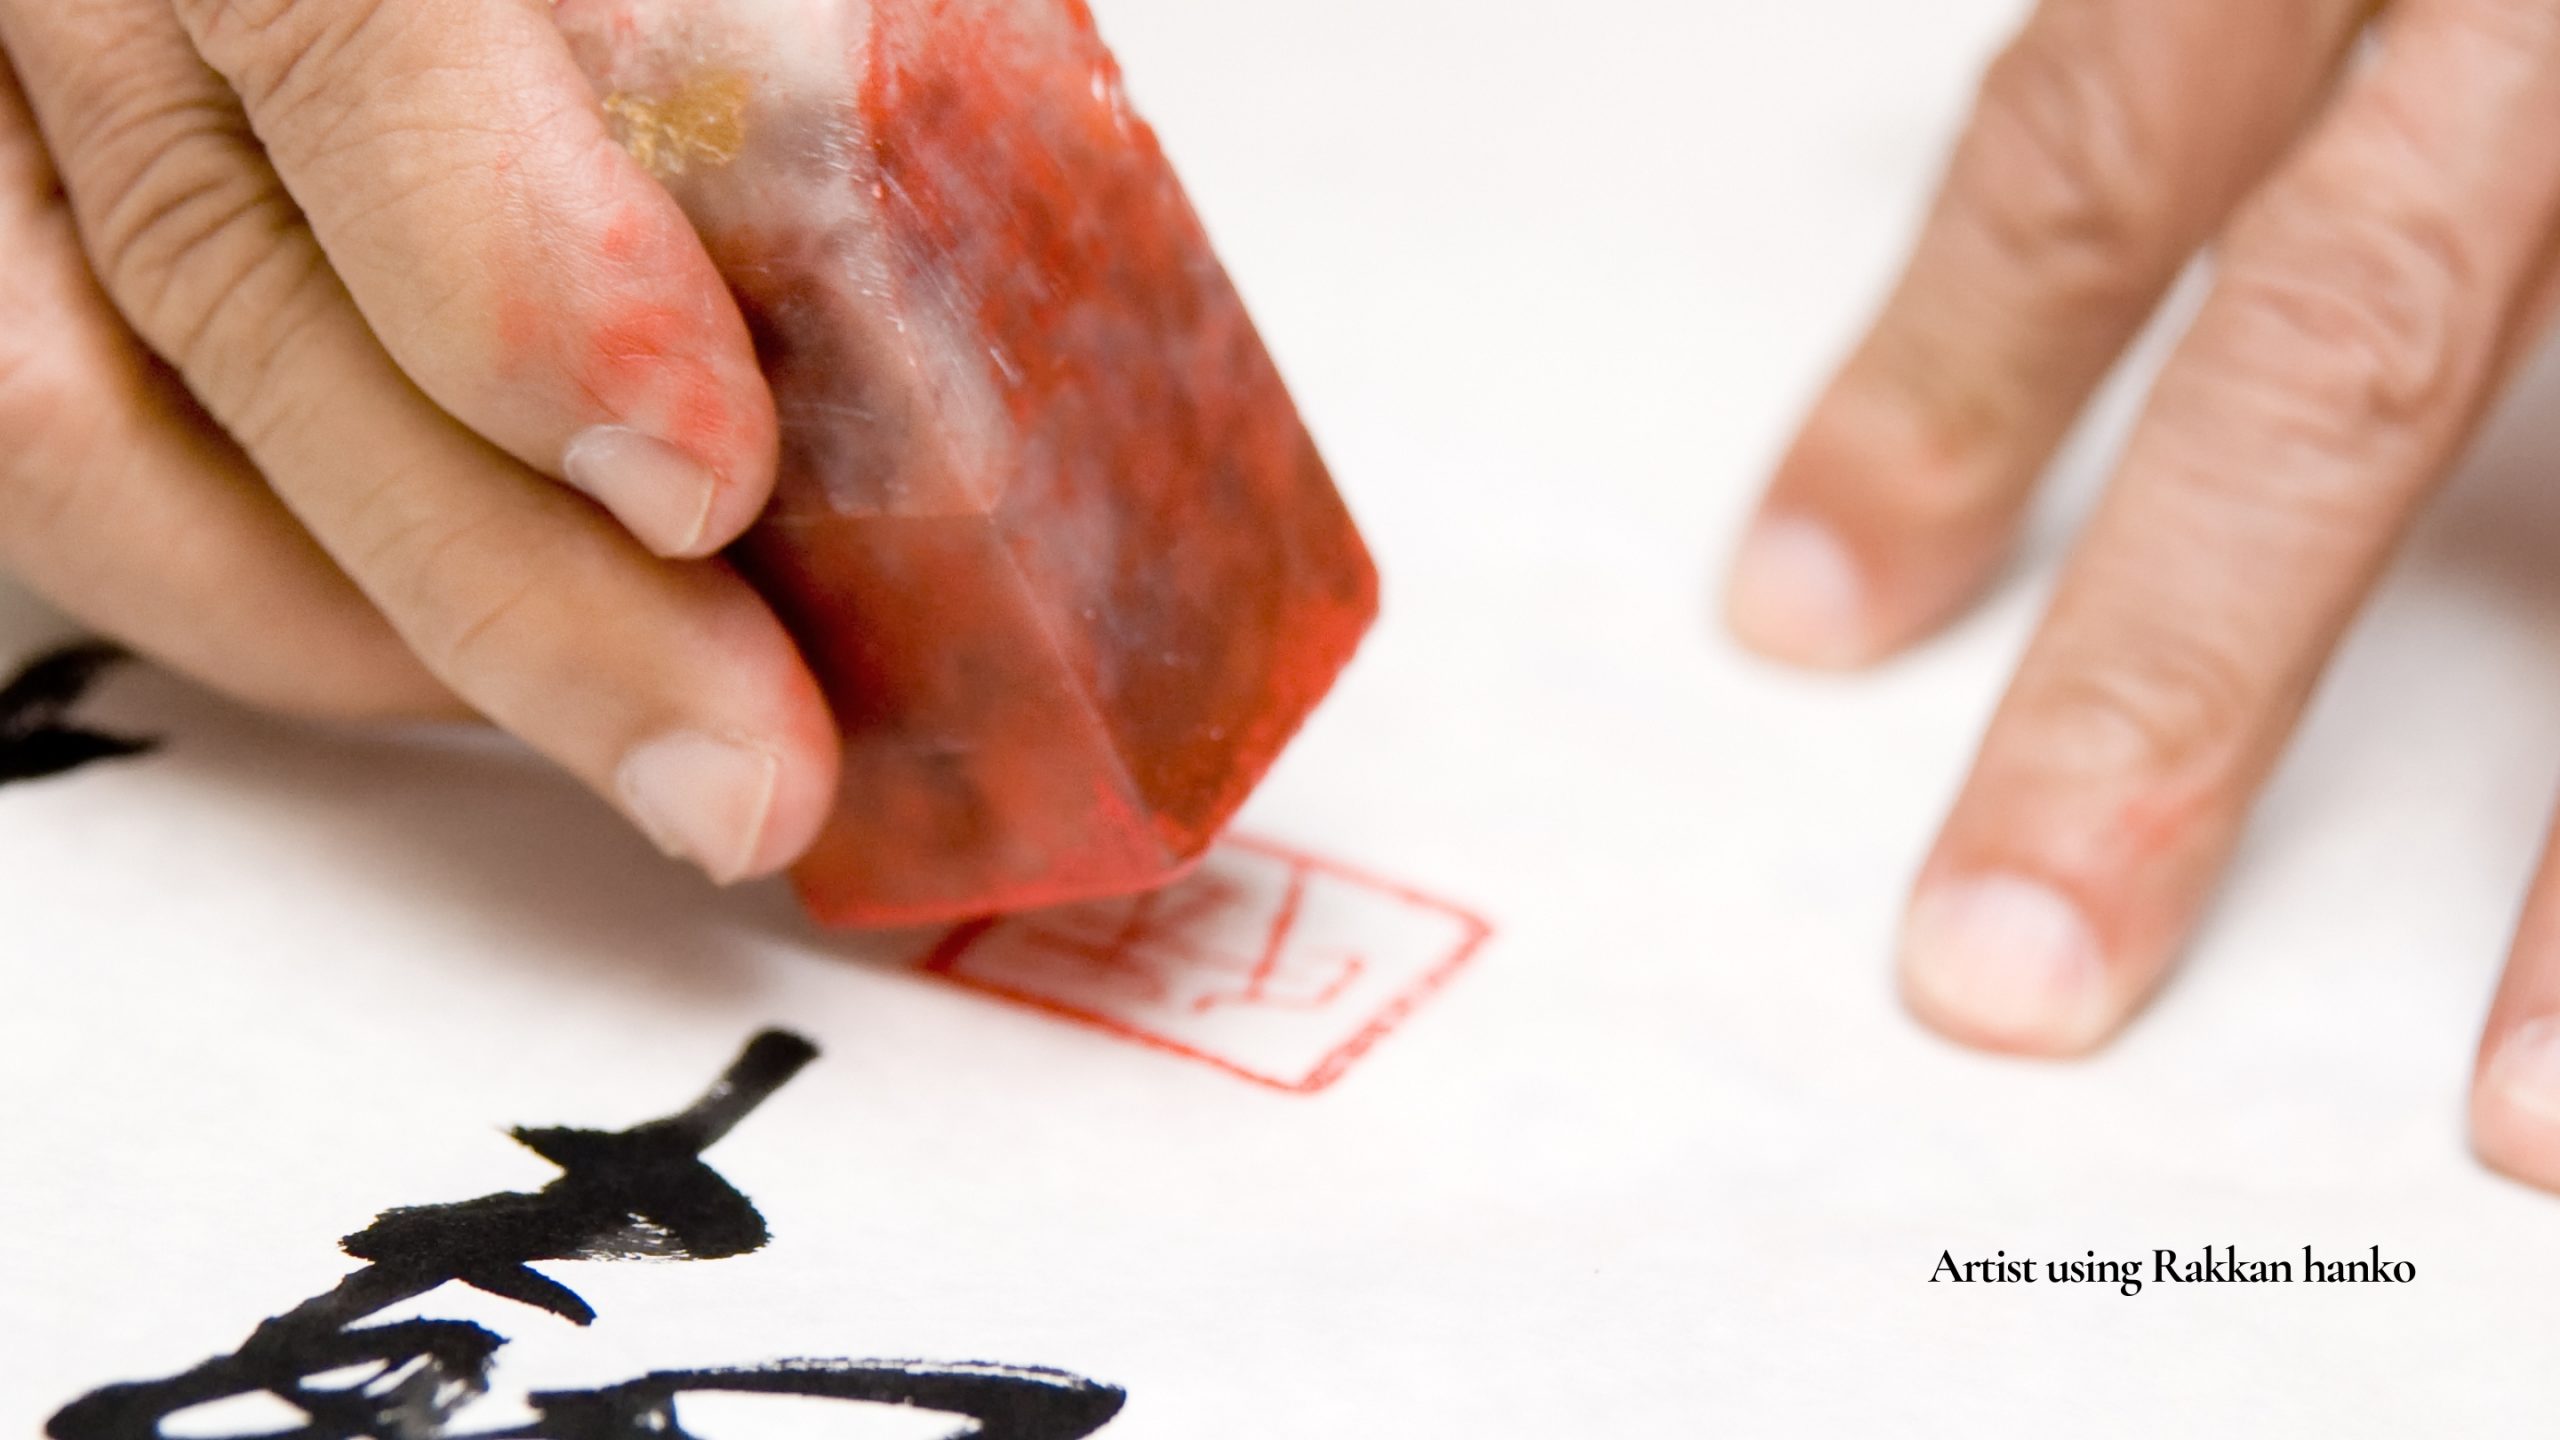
<point x="944" y="961"/>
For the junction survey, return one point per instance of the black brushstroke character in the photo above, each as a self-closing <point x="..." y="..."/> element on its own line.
<point x="36" y="740"/>
<point x="641" y="1192"/>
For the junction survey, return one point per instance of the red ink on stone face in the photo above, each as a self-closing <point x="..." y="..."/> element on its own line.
<point x="1048" y="527"/>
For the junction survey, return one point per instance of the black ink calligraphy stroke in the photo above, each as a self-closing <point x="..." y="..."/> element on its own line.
<point x="1008" y="1402"/>
<point x="36" y="737"/>
<point x="644" y="1192"/>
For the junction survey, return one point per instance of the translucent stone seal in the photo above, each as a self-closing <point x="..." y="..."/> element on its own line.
<point x="1049" y="528"/>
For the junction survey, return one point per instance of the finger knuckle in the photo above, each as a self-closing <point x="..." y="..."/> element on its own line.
<point x="201" y="250"/>
<point x="460" y="594"/>
<point x="182" y="238"/>
<point x="2059" y="168"/>
<point x="281" y="51"/>
<point x="2155" y="705"/>
<point x="484" y="627"/>
<point x="2352" y="295"/>
<point x="349" y="87"/>
<point x="2346" y="318"/>
<point x="148" y="162"/>
<point x="1948" y="413"/>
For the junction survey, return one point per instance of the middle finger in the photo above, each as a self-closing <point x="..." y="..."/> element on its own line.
<point x="2367" y="306"/>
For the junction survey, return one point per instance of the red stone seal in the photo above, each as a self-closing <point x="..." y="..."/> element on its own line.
<point x="1049" y="528"/>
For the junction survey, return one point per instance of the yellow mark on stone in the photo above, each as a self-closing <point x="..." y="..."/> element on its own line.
<point x="703" y="123"/>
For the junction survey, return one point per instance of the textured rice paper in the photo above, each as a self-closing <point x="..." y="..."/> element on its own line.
<point x="1659" y="1156"/>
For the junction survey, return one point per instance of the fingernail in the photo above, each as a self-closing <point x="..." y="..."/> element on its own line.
<point x="2005" y="960"/>
<point x="1796" y="594"/>
<point x="2526" y="1072"/>
<point x="658" y="492"/>
<point x="701" y="798"/>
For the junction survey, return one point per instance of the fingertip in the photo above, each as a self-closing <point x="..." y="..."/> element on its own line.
<point x="738" y="496"/>
<point x="1874" y="534"/>
<point x="671" y="501"/>
<point x="739" y="798"/>
<point x="677" y="434"/>
<point x="702" y="797"/>
<point x="2515" y="1104"/>
<point x="737" y="807"/>
<point x="805" y="791"/>
<point x="1796" y="594"/>
<point x="2004" y="962"/>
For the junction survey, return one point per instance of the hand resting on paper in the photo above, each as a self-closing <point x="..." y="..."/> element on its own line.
<point x="308" y="311"/>
<point x="2386" y="224"/>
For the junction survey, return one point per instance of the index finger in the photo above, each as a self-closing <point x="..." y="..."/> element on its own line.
<point x="525" y="272"/>
<point x="2109" y="141"/>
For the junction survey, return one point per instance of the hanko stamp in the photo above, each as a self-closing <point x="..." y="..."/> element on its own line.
<point x="1278" y="966"/>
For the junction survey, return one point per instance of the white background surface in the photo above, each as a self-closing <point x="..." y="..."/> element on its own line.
<point x="1551" y="283"/>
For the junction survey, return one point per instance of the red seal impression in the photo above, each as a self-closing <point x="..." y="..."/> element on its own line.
<point x="1271" y="964"/>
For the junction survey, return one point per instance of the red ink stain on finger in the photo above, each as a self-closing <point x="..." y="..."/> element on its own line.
<point x="631" y="345"/>
<point x="628" y="323"/>
<point x="648" y="366"/>
<point x="700" y="422"/>
<point x="1278" y="966"/>
<point x="621" y="240"/>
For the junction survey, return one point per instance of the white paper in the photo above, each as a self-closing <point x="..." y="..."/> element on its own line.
<point x="1659" y="1156"/>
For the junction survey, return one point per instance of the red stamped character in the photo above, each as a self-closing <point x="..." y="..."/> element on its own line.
<point x="1274" y="965"/>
